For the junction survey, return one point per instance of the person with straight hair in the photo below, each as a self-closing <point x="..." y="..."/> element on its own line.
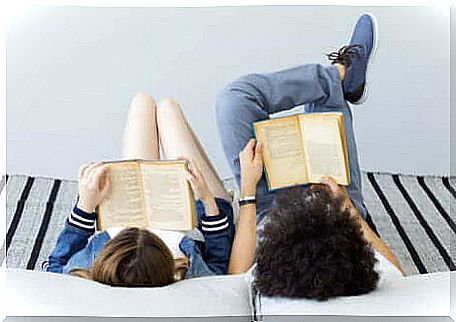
<point x="134" y="257"/>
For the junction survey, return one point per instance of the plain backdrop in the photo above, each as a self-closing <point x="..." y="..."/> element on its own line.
<point x="71" y="72"/>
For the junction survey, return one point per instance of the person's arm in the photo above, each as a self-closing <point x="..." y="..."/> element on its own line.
<point x="243" y="249"/>
<point x="77" y="230"/>
<point x="218" y="231"/>
<point x="216" y="227"/>
<point x="80" y="225"/>
<point x="369" y="235"/>
<point x="215" y="222"/>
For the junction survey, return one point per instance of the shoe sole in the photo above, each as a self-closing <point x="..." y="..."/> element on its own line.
<point x="365" y="94"/>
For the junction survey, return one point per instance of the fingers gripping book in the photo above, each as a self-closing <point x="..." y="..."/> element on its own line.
<point x="300" y="149"/>
<point x="153" y="194"/>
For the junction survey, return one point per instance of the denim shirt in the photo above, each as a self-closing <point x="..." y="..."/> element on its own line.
<point x="78" y="244"/>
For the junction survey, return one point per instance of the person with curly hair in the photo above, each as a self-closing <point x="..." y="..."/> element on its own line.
<point x="316" y="245"/>
<point x="315" y="242"/>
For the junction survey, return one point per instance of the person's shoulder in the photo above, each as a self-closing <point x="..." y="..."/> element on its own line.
<point x="98" y="240"/>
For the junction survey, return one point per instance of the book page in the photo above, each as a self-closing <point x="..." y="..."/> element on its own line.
<point x="323" y="146"/>
<point x="283" y="152"/>
<point x="168" y="197"/>
<point x="123" y="207"/>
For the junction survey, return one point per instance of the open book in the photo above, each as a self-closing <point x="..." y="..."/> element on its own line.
<point x="152" y="194"/>
<point x="302" y="148"/>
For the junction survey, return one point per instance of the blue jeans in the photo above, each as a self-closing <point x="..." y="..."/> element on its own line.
<point x="254" y="97"/>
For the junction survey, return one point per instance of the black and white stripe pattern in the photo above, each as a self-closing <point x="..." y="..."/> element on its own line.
<point x="427" y="228"/>
<point x="411" y="213"/>
<point x="3" y="182"/>
<point x="44" y="266"/>
<point x="82" y="220"/>
<point x="395" y="220"/>
<point x="19" y="210"/>
<point x="446" y="183"/>
<point x="44" y="225"/>
<point x="36" y="209"/>
<point x="214" y="224"/>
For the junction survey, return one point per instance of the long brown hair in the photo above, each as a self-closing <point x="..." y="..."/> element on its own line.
<point x="135" y="257"/>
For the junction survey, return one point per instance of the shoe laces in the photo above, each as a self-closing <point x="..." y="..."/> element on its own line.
<point x="345" y="55"/>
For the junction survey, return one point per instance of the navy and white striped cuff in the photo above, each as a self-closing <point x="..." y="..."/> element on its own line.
<point x="214" y="223"/>
<point x="44" y="266"/>
<point x="82" y="220"/>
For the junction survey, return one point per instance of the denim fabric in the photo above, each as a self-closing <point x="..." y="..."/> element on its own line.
<point x="254" y="97"/>
<point x="212" y="256"/>
<point x="85" y="257"/>
<point x="77" y="248"/>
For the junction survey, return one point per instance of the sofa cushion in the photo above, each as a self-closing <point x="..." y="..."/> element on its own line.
<point x="34" y="293"/>
<point x="416" y="295"/>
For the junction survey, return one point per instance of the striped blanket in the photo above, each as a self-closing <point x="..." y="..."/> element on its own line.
<point x="411" y="213"/>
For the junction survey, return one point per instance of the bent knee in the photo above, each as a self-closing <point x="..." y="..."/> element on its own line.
<point x="224" y="99"/>
<point x="230" y="100"/>
<point x="169" y="102"/>
<point x="142" y="98"/>
<point x="169" y="108"/>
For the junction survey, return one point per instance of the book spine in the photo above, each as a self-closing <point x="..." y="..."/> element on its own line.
<point x="268" y="184"/>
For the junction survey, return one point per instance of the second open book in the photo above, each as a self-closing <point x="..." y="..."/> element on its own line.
<point x="302" y="148"/>
<point x="153" y="194"/>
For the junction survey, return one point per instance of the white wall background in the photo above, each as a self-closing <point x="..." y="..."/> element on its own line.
<point x="453" y="95"/>
<point x="71" y="73"/>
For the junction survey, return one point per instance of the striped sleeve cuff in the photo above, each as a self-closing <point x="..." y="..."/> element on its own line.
<point x="82" y="220"/>
<point x="214" y="223"/>
<point x="44" y="266"/>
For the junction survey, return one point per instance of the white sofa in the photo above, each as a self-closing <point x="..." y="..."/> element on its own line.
<point x="395" y="295"/>
<point x="417" y="295"/>
<point x="32" y="293"/>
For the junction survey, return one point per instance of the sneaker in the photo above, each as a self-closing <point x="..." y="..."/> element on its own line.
<point x="355" y="57"/>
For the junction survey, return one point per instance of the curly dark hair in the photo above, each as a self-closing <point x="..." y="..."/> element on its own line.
<point x="311" y="248"/>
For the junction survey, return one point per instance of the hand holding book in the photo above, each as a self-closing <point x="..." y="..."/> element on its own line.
<point x="300" y="149"/>
<point x="251" y="164"/>
<point x="201" y="190"/>
<point x="155" y="194"/>
<point x="198" y="183"/>
<point x="337" y="191"/>
<point x="93" y="186"/>
<point x="243" y="249"/>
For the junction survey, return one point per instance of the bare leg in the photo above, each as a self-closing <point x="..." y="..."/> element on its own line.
<point x="140" y="137"/>
<point x="177" y="139"/>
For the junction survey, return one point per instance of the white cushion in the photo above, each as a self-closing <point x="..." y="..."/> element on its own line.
<point x="33" y="293"/>
<point x="417" y="295"/>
